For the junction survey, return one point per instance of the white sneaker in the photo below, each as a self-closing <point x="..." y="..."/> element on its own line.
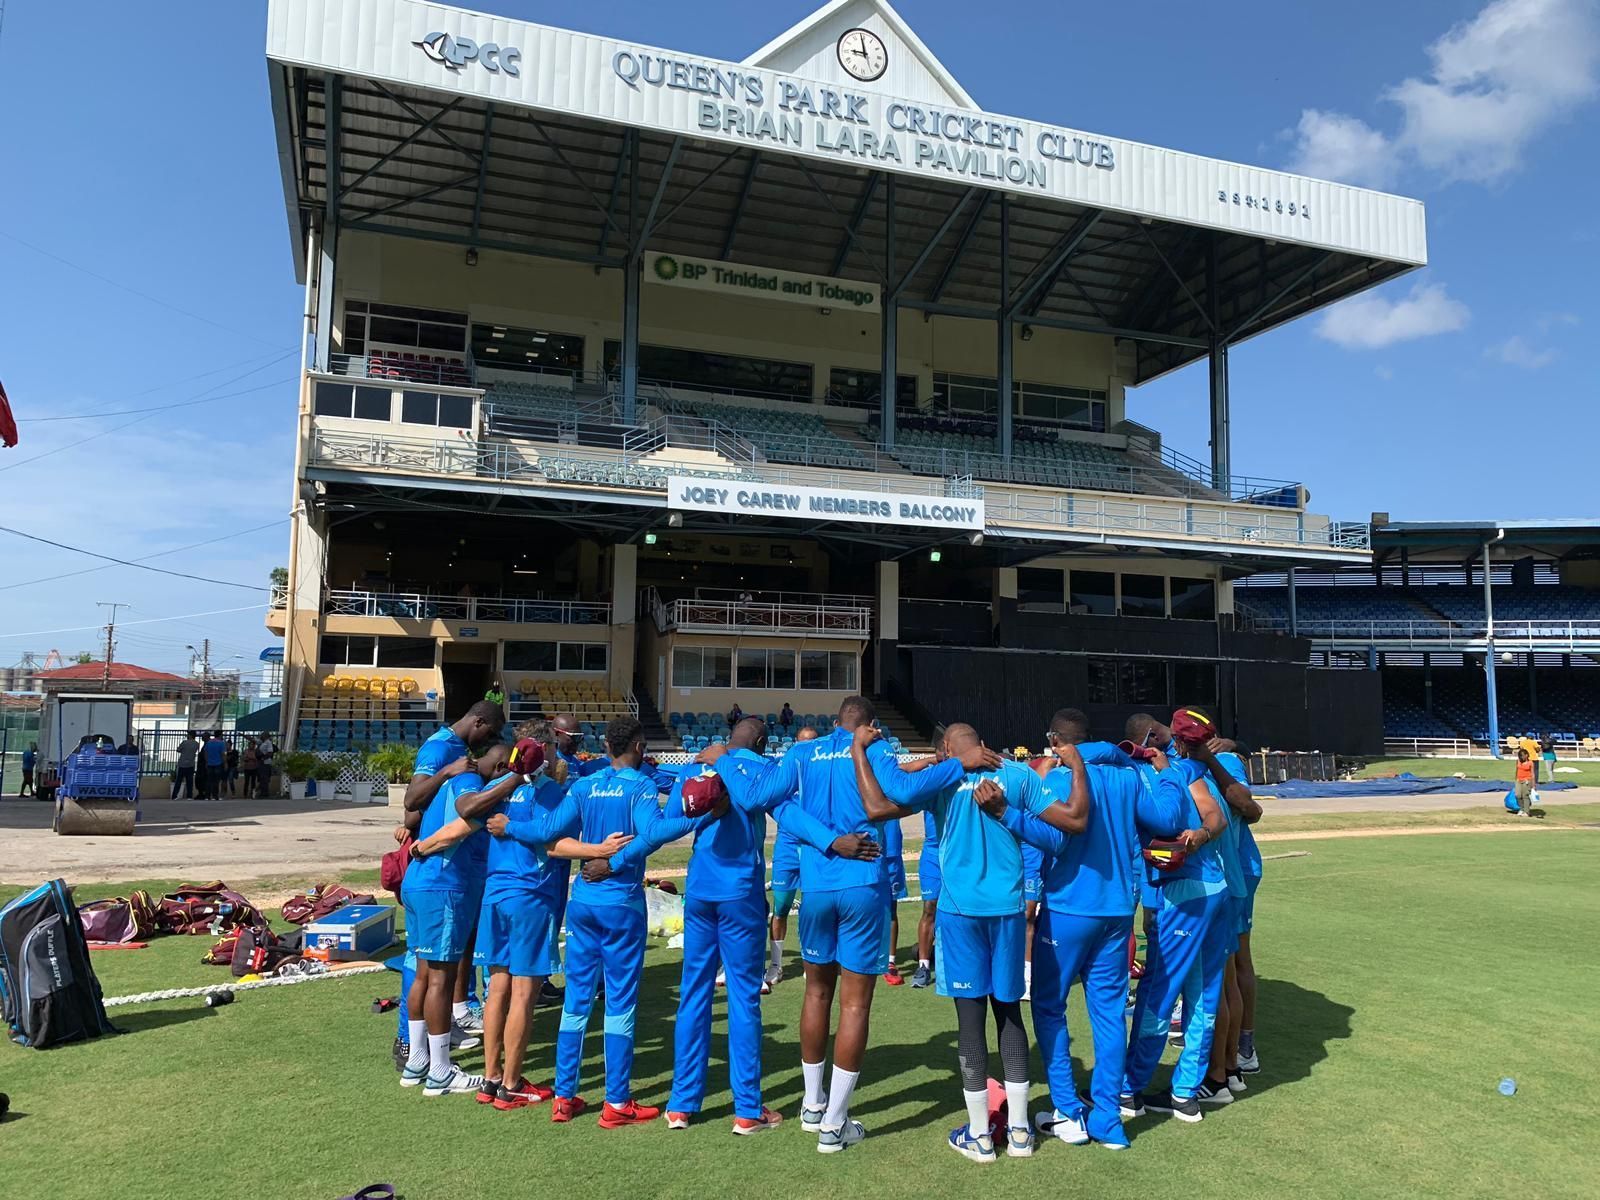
<point x="722" y="979"/>
<point x="811" y="1118"/>
<point x="974" y="1147"/>
<point x="457" y="1083"/>
<point x="1019" y="1142"/>
<point x="1250" y="1063"/>
<point x="772" y="976"/>
<point x="831" y="1141"/>
<point x="1070" y="1130"/>
<point x="1236" y="1083"/>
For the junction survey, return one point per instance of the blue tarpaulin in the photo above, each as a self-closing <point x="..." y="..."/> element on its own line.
<point x="1398" y="785"/>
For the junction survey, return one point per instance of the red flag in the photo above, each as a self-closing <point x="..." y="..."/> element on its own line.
<point x="8" y="423"/>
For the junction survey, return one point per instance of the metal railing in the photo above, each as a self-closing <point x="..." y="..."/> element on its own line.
<point x="1095" y="516"/>
<point x="1436" y="634"/>
<point x="426" y="606"/>
<point x="396" y="369"/>
<point x="278" y="596"/>
<point x="767" y="596"/>
<point x="1585" y="749"/>
<point x="734" y="616"/>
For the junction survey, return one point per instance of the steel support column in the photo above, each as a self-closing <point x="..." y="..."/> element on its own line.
<point x="1221" y="449"/>
<point x="1003" y="327"/>
<point x="631" y="282"/>
<point x="328" y="243"/>
<point x="1489" y="659"/>
<point x="889" y="367"/>
<point x="1294" y="614"/>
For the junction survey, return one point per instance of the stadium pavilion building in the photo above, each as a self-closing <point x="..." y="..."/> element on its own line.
<point x="645" y="381"/>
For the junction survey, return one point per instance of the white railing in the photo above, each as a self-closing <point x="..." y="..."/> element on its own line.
<point x="1435" y="634"/>
<point x="1095" y="516"/>
<point x="734" y="616"/>
<point x="279" y="596"/>
<point x="424" y="606"/>
<point x="1584" y="750"/>
<point x="765" y="596"/>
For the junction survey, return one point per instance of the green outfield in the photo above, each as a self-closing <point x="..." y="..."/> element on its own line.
<point x="1402" y="978"/>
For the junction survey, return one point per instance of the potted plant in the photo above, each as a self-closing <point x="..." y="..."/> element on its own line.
<point x="396" y="763"/>
<point x="326" y="771"/>
<point x="296" y="766"/>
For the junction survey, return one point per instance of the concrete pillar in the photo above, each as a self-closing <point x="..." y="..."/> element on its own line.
<point x="885" y="660"/>
<point x="1003" y="596"/>
<point x="624" y="611"/>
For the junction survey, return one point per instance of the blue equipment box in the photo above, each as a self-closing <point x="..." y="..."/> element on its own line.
<point x="355" y="931"/>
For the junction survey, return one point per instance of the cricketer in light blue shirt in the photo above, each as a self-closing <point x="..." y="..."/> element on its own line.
<point x="441" y="749"/>
<point x="463" y="866"/>
<point x="729" y="862"/>
<point x="537" y="814"/>
<point x="622" y="800"/>
<point x="823" y="772"/>
<point x="980" y="859"/>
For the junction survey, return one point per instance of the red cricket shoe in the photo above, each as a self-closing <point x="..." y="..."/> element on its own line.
<point x="487" y="1091"/>
<point x="745" y="1126"/>
<point x="678" y="1120"/>
<point x="615" y="1116"/>
<point x="521" y="1096"/>
<point x="564" y="1108"/>
<point x="892" y="976"/>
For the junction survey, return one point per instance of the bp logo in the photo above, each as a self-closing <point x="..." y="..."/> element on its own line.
<point x="457" y="52"/>
<point x="666" y="268"/>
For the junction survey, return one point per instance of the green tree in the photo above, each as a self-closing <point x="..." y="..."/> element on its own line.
<point x="280" y="576"/>
<point x="83" y="656"/>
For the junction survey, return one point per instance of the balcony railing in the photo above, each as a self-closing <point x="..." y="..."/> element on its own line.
<point x="423" y="606"/>
<point x="279" y="596"/>
<point x="1092" y="516"/>
<point x="789" y="618"/>
<point x="397" y="368"/>
<point x="1550" y="636"/>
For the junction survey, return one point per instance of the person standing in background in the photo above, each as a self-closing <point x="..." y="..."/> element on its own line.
<point x="183" y="775"/>
<point x="230" y="770"/>
<point x="1549" y="758"/>
<point x="264" y="752"/>
<point x="249" y="766"/>
<point x="496" y="694"/>
<point x="1526" y="770"/>
<point x="30" y="758"/>
<point x="213" y="754"/>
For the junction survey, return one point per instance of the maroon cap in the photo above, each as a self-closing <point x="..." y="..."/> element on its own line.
<point x="527" y="756"/>
<point x="1137" y="752"/>
<point x="702" y="793"/>
<point x="1191" y="725"/>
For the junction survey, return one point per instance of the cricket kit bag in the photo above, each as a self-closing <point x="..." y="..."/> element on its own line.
<point x="305" y="907"/>
<point x="254" y="950"/>
<point x="206" y="908"/>
<point x="48" y="990"/>
<point x="123" y="919"/>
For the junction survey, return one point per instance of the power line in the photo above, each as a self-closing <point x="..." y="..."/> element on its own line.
<point x="144" y="558"/>
<point x="260" y="361"/>
<point x="126" y="424"/>
<point x="125" y="562"/>
<point x="216" y="612"/>
<point x="133" y="291"/>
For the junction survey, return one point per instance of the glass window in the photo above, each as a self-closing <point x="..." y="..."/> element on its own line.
<point x="437" y="409"/>
<point x="780" y="669"/>
<point x="863" y="389"/>
<point x="372" y="404"/>
<point x="582" y="656"/>
<point x="1194" y="599"/>
<point x="701" y="666"/>
<point x="1041" y="589"/>
<point x="506" y="348"/>
<point x="814" y="670"/>
<point x="1094" y="593"/>
<point x="718" y="670"/>
<point x="1141" y="681"/>
<point x="1102" y="687"/>
<point x="964" y="393"/>
<point x="1194" y="683"/>
<point x="1079" y="408"/>
<point x="686" y="667"/>
<point x="728" y="373"/>
<point x="342" y="650"/>
<point x="398" y="325"/>
<point x="537" y="657"/>
<point x="332" y="399"/>
<point x="752" y="669"/>
<point x="828" y="670"/>
<point x="405" y="652"/>
<point x="1144" y="596"/>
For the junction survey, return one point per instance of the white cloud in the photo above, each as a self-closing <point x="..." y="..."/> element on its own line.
<point x="1496" y="83"/>
<point x="1516" y="351"/>
<point x="1370" y="322"/>
<point x="1330" y="145"/>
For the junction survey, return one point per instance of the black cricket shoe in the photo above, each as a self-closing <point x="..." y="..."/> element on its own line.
<point x="1131" y="1104"/>
<point x="1213" y="1092"/>
<point x="402" y="1052"/>
<point x="1184" y="1108"/>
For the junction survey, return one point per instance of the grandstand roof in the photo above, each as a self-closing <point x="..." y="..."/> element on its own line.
<point x="594" y="148"/>
<point x="1557" y="538"/>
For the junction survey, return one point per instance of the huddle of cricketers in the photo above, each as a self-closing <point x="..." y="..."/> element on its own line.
<point x="1082" y="836"/>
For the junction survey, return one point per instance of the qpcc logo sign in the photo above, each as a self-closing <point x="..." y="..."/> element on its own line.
<point x="457" y="52"/>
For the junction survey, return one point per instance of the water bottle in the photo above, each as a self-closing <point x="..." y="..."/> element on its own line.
<point x="218" y="999"/>
<point x="1508" y="1087"/>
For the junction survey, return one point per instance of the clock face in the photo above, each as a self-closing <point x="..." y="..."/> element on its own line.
<point x="862" y="54"/>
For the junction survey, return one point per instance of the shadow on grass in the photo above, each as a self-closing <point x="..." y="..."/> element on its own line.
<point x="1295" y="1026"/>
<point x="159" y="1018"/>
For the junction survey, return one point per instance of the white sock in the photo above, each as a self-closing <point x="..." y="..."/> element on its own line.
<point x="812" y="1073"/>
<point x="924" y="964"/>
<point x="839" y="1092"/>
<point x="977" y="1112"/>
<point x="417" y="1039"/>
<point x="777" y="954"/>
<point x="439" y="1064"/>
<point x="1027" y="972"/>
<point x="1017" y="1104"/>
<point x="460" y="1011"/>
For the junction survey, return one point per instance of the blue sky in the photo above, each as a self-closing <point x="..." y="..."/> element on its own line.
<point x="141" y="152"/>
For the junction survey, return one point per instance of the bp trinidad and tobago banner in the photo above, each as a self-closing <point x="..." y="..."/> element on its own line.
<point x="8" y="423"/>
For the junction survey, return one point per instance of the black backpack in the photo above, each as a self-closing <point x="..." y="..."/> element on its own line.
<point x="48" y="990"/>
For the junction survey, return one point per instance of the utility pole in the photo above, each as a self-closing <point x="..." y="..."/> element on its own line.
<point x="111" y="628"/>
